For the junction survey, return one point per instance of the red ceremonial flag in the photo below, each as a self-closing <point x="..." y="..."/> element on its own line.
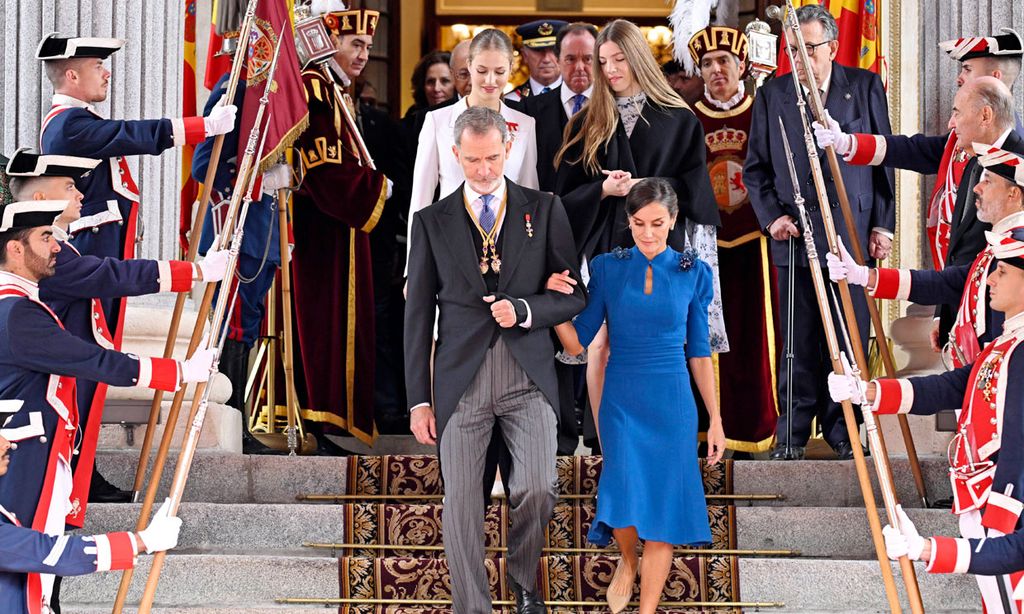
<point x="189" y="187"/>
<point x="288" y="110"/>
<point x="860" y="44"/>
<point x="216" y="63"/>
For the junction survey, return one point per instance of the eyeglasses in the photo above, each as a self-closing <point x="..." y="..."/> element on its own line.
<point x="462" y="75"/>
<point x="809" y="46"/>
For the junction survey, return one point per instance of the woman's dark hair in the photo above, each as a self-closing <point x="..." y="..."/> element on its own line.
<point x="652" y="190"/>
<point x="419" y="75"/>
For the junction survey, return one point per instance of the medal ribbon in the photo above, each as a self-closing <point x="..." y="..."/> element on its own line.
<point x="488" y="238"/>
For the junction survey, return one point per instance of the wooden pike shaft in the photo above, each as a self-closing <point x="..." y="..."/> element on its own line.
<point x="857" y="250"/>
<point x="193" y="252"/>
<point x="877" y="449"/>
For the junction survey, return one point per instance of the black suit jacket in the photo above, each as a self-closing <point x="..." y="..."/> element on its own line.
<point x="856" y="99"/>
<point x="443" y="276"/>
<point x="549" y="112"/>
<point x="666" y="143"/>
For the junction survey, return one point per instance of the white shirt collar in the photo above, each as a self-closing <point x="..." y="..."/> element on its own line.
<point x="568" y="94"/>
<point x="1002" y="138"/>
<point x="60" y="234"/>
<point x="1008" y="223"/>
<point x="64" y="99"/>
<point x="537" y="87"/>
<point x="728" y="104"/>
<point x="472" y="195"/>
<point x="30" y="287"/>
<point x="822" y="87"/>
<point x="1014" y="324"/>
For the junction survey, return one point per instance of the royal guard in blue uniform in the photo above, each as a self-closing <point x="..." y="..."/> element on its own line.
<point x="75" y="290"/>
<point x="110" y="224"/>
<point x="945" y="154"/>
<point x="26" y="554"/>
<point x="987" y="452"/>
<point x="259" y="256"/>
<point x="39" y="364"/>
<point x="999" y="200"/>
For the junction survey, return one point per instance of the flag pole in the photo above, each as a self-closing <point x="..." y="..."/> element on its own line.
<point x="193" y="251"/>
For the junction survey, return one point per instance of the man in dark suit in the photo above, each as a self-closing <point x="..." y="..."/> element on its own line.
<point x="856" y="99"/>
<point x="480" y="261"/>
<point x="574" y="48"/>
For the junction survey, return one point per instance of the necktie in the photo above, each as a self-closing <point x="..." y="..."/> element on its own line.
<point x="486" y="213"/>
<point x="577" y="103"/>
<point x="545" y="90"/>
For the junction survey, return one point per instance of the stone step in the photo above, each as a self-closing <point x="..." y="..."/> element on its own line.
<point x="240" y="609"/>
<point x="816" y="585"/>
<point x="282" y="529"/>
<point x="192" y="580"/>
<point x="246" y="583"/>
<point x="825" y="532"/>
<point x="221" y="477"/>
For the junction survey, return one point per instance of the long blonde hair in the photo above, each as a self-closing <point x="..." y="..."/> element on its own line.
<point x="602" y="117"/>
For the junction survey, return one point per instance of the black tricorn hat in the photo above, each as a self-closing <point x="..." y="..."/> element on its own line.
<point x="57" y="47"/>
<point x="25" y="163"/>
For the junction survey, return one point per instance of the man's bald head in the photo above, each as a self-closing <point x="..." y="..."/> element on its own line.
<point x="982" y="112"/>
<point x="459" y="64"/>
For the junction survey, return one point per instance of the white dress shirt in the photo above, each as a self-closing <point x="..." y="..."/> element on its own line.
<point x="568" y="95"/>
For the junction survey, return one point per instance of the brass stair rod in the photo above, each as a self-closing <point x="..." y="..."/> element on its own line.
<point x="568" y="604"/>
<point x="376" y="497"/>
<point x="425" y="548"/>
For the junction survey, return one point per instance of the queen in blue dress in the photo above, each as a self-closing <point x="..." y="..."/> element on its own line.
<point x="655" y="301"/>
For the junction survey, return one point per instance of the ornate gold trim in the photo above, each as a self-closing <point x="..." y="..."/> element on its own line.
<point x="716" y="114"/>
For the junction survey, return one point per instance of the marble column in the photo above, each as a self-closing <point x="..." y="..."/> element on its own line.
<point x="146" y="83"/>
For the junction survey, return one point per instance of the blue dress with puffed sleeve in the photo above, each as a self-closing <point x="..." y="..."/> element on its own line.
<point x="650" y="477"/>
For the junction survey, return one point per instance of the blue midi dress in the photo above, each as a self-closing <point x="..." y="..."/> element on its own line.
<point x="650" y="478"/>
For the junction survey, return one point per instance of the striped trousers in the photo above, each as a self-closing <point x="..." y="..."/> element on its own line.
<point x="500" y="393"/>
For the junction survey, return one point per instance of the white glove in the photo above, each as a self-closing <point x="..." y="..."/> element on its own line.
<point x="895" y="544"/>
<point x="832" y="135"/>
<point x="162" y="532"/>
<point x="391" y="186"/>
<point x="845" y="267"/>
<point x="277" y="177"/>
<point x="846" y="387"/>
<point x="913" y="540"/>
<point x="221" y="120"/>
<point x="198" y="368"/>
<point x="214" y="265"/>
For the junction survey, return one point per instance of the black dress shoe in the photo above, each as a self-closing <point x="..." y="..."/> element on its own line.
<point x="102" y="491"/>
<point x="779" y="452"/>
<point x="844" y="450"/>
<point x="527" y="602"/>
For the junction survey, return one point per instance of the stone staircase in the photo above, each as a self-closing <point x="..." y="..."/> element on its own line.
<point x="241" y="545"/>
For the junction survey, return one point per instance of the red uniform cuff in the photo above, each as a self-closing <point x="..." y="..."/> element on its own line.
<point x="893" y="396"/>
<point x="950" y="555"/>
<point x="188" y="130"/>
<point x="114" y="551"/>
<point x="892" y="284"/>
<point x="158" y="374"/>
<point x="176" y="275"/>
<point x="1001" y="513"/>
<point x="869" y="149"/>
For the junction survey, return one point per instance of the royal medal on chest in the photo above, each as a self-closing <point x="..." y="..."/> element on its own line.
<point x="988" y="373"/>
<point x="489" y="260"/>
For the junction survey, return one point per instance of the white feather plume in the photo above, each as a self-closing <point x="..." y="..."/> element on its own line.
<point x="687" y="18"/>
<point x="322" y="7"/>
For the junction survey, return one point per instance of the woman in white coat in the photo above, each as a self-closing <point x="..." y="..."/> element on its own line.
<point x="490" y="62"/>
